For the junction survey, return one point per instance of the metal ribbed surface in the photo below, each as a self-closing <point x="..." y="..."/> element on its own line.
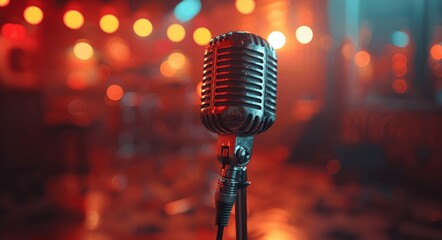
<point x="239" y="84"/>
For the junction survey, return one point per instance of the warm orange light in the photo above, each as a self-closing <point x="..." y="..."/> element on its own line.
<point x="333" y="166"/>
<point x="176" y="60"/>
<point x="73" y="19"/>
<point x="118" y="49"/>
<point x="362" y="59"/>
<point x="4" y="3"/>
<point x="77" y="80"/>
<point x="400" y="86"/>
<point x="202" y="36"/>
<point x="142" y="27"/>
<point x="276" y="39"/>
<point x="83" y="50"/>
<point x="436" y="51"/>
<point x="304" y="34"/>
<point x="33" y="15"/>
<point x="114" y="92"/>
<point x="348" y="51"/>
<point x="176" y="32"/>
<point x="109" y="23"/>
<point x="166" y="70"/>
<point x="245" y="6"/>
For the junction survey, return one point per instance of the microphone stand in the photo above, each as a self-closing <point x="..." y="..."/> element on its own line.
<point x="234" y="154"/>
<point x="241" y="206"/>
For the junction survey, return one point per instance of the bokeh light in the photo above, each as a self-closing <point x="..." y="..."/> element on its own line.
<point x="400" y="86"/>
<point x="333" y="166"/>
<point x="276" y="39"/>
<point x="187" y="9"/>
<point x="399" y="57"/>
<point x="399" y="68"/>
<point x="400" y="39"/>
<point x="14" y="31"/>
<point x="245" y="6"/>
<point x="83" y="50"/>
<point x="202" y="36"/>
<point x="166" y="70"/>
<point x="33" y="15"/>
<point x="176" y="60"/>
<point x="73" y="19"/>
<point x="4" y="3"/>
<point x="142" y="27"/>
<point x="304" y="34"/>
<point x="348" y="51"/>
<point x="362" y="59"/>
<point x="436" y="51"/>
<point x="118" y="49"/>
<point x="115" y="92"/>
<point x="109" y="23"/>
<point x="77" y="80"/>
<point x="176" y="33"/>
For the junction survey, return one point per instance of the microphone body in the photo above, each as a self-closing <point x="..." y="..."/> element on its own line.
<point x="238" y="100"/>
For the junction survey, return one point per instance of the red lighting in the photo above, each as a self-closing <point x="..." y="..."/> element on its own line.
<point x="333" y="166"/>
<point x="362" y="59"/>
<point x="400" y="86"/>
<point x="115" y="92"/>
<point x="399" y="69"/>
<point x="14" y="31"/>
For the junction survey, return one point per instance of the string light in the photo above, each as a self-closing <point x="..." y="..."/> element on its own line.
<point x="114" y="92"/>
<point x="176" y="60"/>
<point x="202" y="36"/>
<point x="276" y="39"/>
<point x="73" y="19"/>
<point x="4" y="3"/>
<point x="109" y="23"/>
<point x="400" y="86"/>
<point x="362" y="59"/>
<point x="33" y="15"/>
<point x="304" y="34"/>
<point x="142" y="27"/>
<point x="245" y="6"/>
<point x="176" y="32"/>
<point x="83" y="50"/>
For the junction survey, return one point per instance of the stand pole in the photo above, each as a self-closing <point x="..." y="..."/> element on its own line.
<point x="241" y="207"/>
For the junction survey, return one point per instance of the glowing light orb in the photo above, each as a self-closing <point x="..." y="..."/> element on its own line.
<point x="118" y="49"/>
<point x="73" y="19"/>
<point x="276" y="39"/>
<point x="202" y="36"/>
<point x="114" y="92"/>
<point x="109" y="23"/>
<point x="167" y="70"/>
<point x="187" y="9"/>
<point x="304" y="34"/>
<point x="142" y="27"/>
<point x="4" y="3"/>
<point x="176" y="60"/>
<point x="14" y="31"/>
<point x="362" y="59"/>
<point x="176" y="33"/>
<point x="436" y="51"/>
<point x="83" y="50"/>
<point x="400" y="86"/>
<point x="245" y="6"/>
<point x="400" y="39"/>
<point x="33" y="15"/>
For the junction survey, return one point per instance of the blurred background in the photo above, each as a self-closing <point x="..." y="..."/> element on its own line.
<point x="101" y="139"/>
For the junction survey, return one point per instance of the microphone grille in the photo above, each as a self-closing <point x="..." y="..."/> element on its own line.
<point x="240" y="75"/>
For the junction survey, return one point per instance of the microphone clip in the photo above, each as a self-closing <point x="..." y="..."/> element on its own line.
<point x="234" y="150"/>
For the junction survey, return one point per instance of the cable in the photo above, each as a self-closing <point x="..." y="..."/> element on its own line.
<point x="219" y="233"/>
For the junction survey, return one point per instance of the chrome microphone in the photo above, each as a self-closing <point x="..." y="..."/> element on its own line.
<point x="238" y="100"/>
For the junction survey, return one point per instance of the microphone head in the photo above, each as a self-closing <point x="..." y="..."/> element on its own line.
<point x="238" y="93"/>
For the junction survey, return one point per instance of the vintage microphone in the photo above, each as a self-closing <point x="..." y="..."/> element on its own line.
<point x="238" y="100"/>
